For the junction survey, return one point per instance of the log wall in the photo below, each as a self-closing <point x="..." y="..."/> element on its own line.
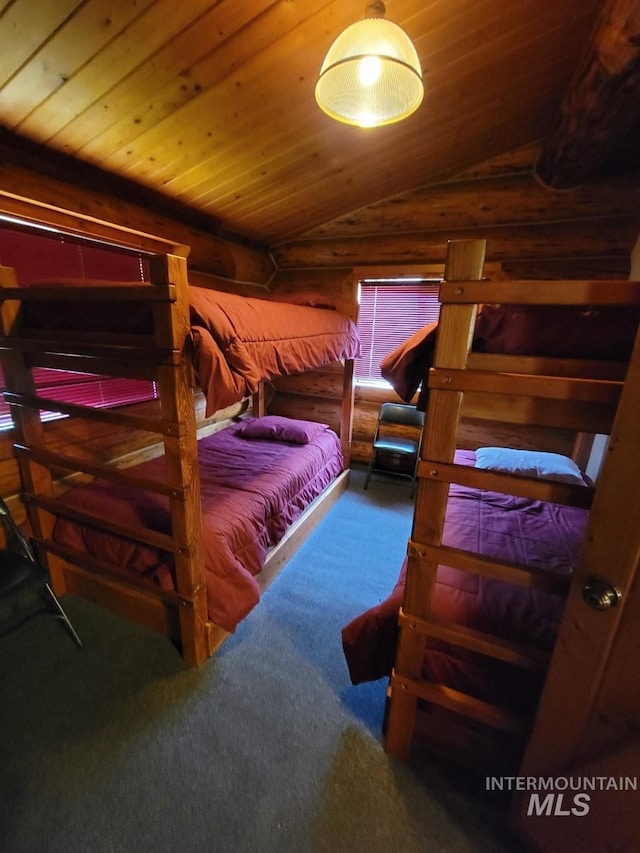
<point x="531" y="231"/>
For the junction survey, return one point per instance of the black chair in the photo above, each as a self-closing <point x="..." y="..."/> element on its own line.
<point x="397" y="438"/>
<point x="24" y="583"/>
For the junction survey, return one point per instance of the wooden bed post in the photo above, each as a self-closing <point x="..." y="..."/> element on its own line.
<point x="465" y="261"/>
<point x="346" y="420"/>
<point x="171" y="323"/>
<point x="28" y="431"/>
<point x="258" y="405"/>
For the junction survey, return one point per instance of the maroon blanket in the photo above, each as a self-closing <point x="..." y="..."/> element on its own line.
<point x="241" y="341"/>
<point x="517" y="530"/>
<point x="237" y="341"/>
<point x="252" y="491"/>
<point x="543" y="330"/>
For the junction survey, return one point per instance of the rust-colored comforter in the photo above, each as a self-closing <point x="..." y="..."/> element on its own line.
<point x="239" y="341"/>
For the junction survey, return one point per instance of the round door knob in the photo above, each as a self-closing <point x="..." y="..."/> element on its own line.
<point x="600" y="594"/>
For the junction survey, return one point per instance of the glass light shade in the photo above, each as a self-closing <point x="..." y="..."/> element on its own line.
<point x="371" y="75"/>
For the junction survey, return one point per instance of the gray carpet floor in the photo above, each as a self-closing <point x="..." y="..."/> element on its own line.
<point x="267" y="747"/>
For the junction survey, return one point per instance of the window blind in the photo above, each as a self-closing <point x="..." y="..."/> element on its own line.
<point x="389" y="313"/>
<point x="37" y="255"/>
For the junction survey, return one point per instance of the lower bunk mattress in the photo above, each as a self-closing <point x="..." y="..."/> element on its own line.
<point x="256" y="478"/>
<point x="499" y="526"/>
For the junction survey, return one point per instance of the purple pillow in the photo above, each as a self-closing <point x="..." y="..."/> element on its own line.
<point x="278" y="428"/>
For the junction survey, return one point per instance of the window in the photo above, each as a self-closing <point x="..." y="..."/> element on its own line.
<point x="390" y="312"/>
<point x="37" y="254"/>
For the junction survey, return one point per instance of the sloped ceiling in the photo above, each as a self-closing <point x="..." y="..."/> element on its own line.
<point x="210" y="104"/>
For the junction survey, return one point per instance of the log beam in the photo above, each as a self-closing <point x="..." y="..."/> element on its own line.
<point x="516" y="199"/>
<point x="580" y="239"/>
<point x="79" y="199"/>
<point x="601" y="106"/>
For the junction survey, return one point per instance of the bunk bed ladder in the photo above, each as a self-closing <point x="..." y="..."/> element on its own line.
<point x="465" y="261"/>
<point x="572" y="394"/>
<point x="175" y="388"/>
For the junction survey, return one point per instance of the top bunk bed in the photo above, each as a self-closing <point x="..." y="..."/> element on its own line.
<point x="467" y="634"/>
<point x="204" y="525"/>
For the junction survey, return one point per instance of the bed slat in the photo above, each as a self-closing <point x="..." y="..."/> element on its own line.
<point x="478" y="641"/>
<point x="460" y="703"/>
<point x="530" y="292"/>
<point x="510" y="484"/>
<point x="105" y="569"/>
<point x="547" y="366"/>
<point x="530" y="577"/>
<point x="41" y="345"/>
<point x="77" y="363"/>
<point x="560" y="414"/>
<point x="563" y="388"/>
<point x="105" y="472"/>
<point x="124" y="292"/>
<point x="139" y="534"/>
<point x="103" y="415"/>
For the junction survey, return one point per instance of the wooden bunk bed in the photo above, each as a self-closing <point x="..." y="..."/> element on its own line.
<point x="79" y="326"/>
<point x="430" y="630"/>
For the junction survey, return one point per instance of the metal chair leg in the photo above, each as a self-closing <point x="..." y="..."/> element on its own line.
<point x="63" y="616"/>
<point x="369" y="469"/>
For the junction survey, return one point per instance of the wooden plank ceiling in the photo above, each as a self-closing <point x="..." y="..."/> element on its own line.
<point x="210" y="102"/>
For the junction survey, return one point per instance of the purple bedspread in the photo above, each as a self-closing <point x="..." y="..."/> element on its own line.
<point x="251" y="490"/>
<point x="516" y="530"/>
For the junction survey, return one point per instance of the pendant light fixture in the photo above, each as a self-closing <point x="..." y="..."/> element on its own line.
<point x="371" y="75"/>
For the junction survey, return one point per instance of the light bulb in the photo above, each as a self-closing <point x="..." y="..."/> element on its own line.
<point x="369" y="70"/>
<point x="366" y="119"/>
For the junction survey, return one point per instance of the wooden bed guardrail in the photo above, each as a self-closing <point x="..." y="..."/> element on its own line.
<point x="159" y="353"/>
<point x="158" y="350"/>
